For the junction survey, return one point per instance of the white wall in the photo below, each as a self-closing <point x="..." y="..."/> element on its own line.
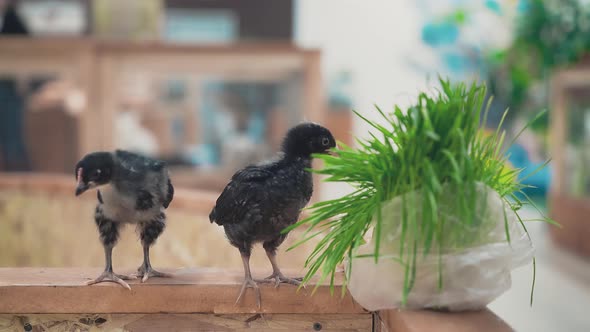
<point x="374" y="40"/>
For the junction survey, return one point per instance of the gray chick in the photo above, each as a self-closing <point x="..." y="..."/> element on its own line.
<point x="133" y="190"/>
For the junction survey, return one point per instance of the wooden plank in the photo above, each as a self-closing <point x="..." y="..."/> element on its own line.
<point x="425" y="320"/>
<point x="188" y="322"/>
<point x="574" y="77"/>
<point x="63" y="290"/>
<point x="558" y="129"/>
<point x="575" y="231"/>
<point x="56" y="44"/>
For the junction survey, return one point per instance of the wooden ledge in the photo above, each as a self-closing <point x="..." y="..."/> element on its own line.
<point x="202" y="300"/>
<point x="63" y="290"/>
<point x="426" y="320"/>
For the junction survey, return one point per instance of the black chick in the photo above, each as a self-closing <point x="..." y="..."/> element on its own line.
<point x="133" y="190"/>
<point x="260" y="201"/>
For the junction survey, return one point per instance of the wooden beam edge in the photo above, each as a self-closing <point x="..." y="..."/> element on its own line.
<point x="63" y="291"/>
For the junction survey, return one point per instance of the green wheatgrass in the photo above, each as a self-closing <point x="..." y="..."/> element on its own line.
<point x="435" y="144"/>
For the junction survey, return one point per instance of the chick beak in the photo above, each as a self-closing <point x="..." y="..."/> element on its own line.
<point x="334" y="151"/>
<point x="82" y="187"/>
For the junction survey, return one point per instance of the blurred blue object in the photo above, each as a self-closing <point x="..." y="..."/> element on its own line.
<point x="494" y="6"/>
<point x="200" y="26"/>
<point x="519" y="158"/>
<point x="12" y="145"/>
<point x="522" y="6"/>
<point x="440" y="34"/>
<point x="178" y="129"/>
<point x="340" y="90"/>
<point x="456" y="61"/>
<point x="257" y="127"/>
<point x="208" y="105"/>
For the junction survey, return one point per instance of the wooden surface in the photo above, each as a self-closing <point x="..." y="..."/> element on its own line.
<point x="189" y="322"/>
<point x="427" y="321"/>
<point x="59" y="290"/>
<point x="571" y="213"/>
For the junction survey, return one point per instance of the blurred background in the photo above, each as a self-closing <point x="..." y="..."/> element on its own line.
<point x="212" y="85"/>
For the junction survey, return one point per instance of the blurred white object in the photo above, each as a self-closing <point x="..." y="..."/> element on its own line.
<point x="239" y="150"/>
<point x="472" y="277"/>
<point x="62" y="94"/>
<point x="132" y="136"/>
<point x="55" y="17"/>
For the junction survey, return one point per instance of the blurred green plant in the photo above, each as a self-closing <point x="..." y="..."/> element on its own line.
<point x="549" y="34"/>
<point x="435" y="148"/>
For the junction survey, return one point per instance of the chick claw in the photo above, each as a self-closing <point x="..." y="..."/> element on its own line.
<point x="107" y="276"/>
<point x="145" y="273"/>
<point x="248" y="282"/>
<point x="279" y="278"/>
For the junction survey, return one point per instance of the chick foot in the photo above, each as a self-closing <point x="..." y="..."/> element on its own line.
<point x="145" y="272"/>
<point x="250" y="283"/>
<point x="109" y="276"/>
<point x="279" y="278"/>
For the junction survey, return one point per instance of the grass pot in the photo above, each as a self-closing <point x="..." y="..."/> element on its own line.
<point x="467" y="267"/>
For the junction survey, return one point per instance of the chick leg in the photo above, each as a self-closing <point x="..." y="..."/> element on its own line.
<point x="277" y="275"/>
<point x="248" y="281"/>
<point x="149" y="233"/>
<point x="109" y="233"/>
<point x="108" y="275"/>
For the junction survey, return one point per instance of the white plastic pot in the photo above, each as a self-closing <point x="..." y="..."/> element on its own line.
<point x="472" y="277"/>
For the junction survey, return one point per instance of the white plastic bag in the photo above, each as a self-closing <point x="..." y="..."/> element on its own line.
<point x="472" y="277"/>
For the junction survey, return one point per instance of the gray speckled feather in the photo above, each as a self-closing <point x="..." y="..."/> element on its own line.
<point x="138" y="191"/>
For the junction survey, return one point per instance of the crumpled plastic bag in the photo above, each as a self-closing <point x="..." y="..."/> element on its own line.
<point x="472" y="276"/>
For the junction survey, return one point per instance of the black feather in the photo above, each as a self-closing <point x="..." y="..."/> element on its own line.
<point x="151" y="230"/>
<point x="144" y="200"/>
<point x="170" y="195"/>
<point x="107" y="228"/>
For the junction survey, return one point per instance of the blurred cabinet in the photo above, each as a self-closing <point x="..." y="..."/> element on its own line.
<point x="51" y="137"/>
<point x="32" y="65"/>
<point x="570" y="139"/>
<point x="191" y="102"/>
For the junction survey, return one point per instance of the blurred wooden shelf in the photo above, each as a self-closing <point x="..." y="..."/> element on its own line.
<point x="569" y="86"/>
<point x="98" y="68"/>
<point x="105" y="73"/>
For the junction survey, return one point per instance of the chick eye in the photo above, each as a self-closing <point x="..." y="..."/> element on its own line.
<point x="96" y="173"/>
<point x="325" y="141"/>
